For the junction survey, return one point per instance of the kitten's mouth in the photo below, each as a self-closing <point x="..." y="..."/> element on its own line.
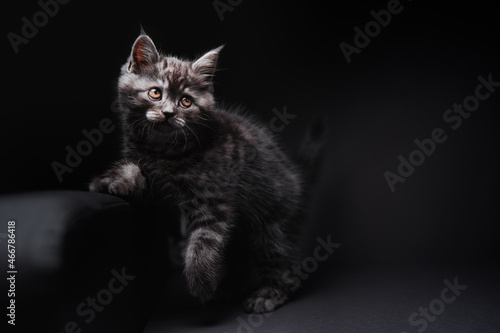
<point x="169" y="124"/>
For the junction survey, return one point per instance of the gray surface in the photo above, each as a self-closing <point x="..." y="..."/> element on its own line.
<point x="44" y="218"/>
<point x="369" y="299"/>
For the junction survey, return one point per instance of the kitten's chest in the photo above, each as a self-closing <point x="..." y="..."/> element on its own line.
<point x="181" y="179"/>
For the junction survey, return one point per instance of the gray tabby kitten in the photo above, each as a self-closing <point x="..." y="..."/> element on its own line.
<point x="240" y="195"/>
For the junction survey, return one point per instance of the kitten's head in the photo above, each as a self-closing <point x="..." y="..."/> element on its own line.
<point x="164" y="94"/>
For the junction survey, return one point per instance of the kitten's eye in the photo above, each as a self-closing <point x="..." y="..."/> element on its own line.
<point x="185" y="102"/>
<point x="154" y="93"/>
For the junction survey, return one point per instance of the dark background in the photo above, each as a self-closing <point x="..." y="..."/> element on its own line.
<point x="287" y="54"/>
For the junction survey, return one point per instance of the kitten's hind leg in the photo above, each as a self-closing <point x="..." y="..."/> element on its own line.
<point x="266" y="299"/>
<point x="276" y="255"/>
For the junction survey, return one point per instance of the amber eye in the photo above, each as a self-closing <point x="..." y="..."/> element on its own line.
<point x="154" y="93"/>
<point x="186" y="102"/>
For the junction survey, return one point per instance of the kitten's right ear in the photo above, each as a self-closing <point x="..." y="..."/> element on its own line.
<point x="143" y="53"/>
<point x="206" y="64"/>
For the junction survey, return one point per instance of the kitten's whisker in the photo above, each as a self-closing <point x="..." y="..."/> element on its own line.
<point x="202" y="124"/>
<point x="149" y="128"/>
<point x="189" y="128"/>
<point x="205" y="116"/>
<point x="141" y="132"/>
<point x="138" y="123"/>
<point x="173" y="143"/>
<point x="131" y="125"/>
<point x="185" y="139"/>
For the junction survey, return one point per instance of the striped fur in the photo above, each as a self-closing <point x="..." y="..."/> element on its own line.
<point x="240" y="194"/>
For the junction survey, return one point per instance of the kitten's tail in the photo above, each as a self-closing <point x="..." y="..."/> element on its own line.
<point x="310" y="153"/>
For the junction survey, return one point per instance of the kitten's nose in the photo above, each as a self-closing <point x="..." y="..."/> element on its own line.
<point x="168" y="115"/>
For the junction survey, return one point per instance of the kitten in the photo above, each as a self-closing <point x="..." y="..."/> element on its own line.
<point x="240" y="196"/>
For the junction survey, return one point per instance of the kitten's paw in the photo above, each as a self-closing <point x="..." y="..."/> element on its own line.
<point x="266" y="299"/>
<point x="124" y="180"/>
<point x="100" y="184"/>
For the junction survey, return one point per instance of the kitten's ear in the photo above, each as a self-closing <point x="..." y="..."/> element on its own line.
<point x="143" y="53"/>
<point x="206" y="64"/>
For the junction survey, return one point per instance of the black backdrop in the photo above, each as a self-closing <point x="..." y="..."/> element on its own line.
<point x="286" y="54"/>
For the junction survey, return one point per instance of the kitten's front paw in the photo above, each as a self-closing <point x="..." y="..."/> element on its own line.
<point x="124" y="180"/>
<point x="100" y="184"/>
<point x="266" y="299"/>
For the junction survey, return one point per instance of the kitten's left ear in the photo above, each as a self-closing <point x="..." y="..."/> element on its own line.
<point x="205" y="66"/>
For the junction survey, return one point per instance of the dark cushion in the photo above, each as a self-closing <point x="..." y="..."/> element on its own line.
<point x="84" y="261"/>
